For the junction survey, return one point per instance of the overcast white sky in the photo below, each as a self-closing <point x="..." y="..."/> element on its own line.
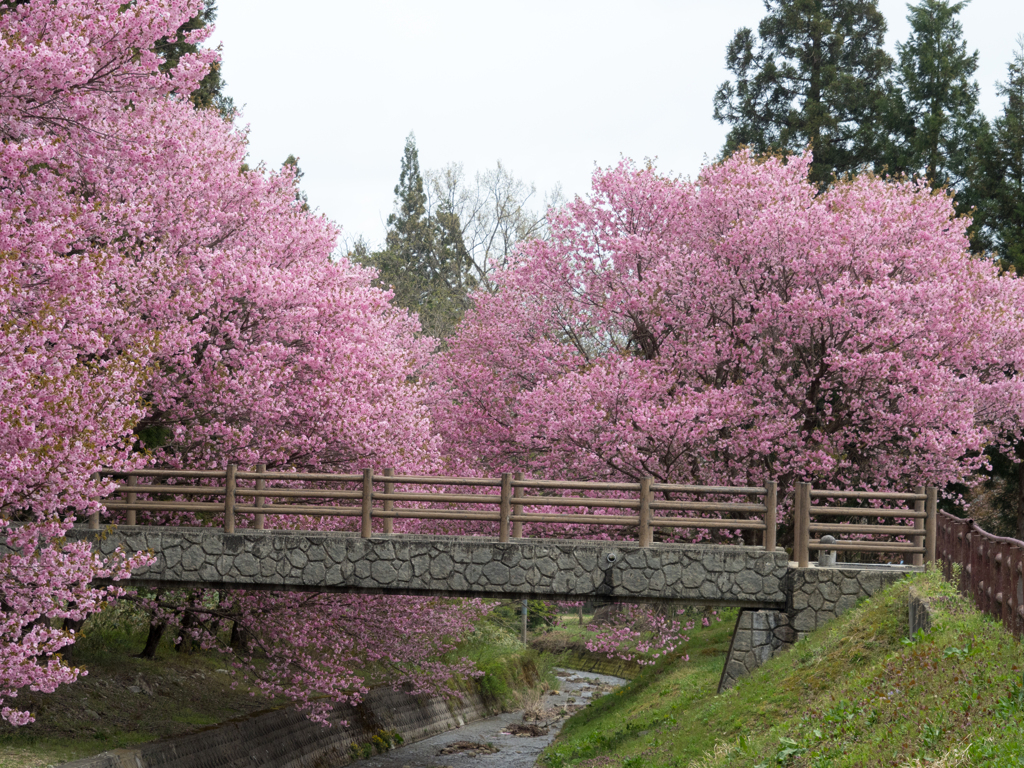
<point x="550" y="88"/>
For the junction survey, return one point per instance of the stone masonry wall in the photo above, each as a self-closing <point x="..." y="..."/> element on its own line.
<point x="815" y="596"/>
<point x="452" y="566"/>
<point x="285" y="738"/>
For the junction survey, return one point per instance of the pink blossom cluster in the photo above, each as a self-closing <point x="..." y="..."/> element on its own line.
<point x="639" y="633"/>
<point x="740" y="328"/>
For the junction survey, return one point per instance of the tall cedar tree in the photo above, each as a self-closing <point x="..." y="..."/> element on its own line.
<point x="936" y="130"/>
<point x="209" y="94"/>
<point x="1006" y="168"/>
<point x="939" y="94"/>
<point x="812" y="75"/>
<point x="424" y="260"/>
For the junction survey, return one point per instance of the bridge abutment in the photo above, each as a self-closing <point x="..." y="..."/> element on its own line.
<point x="814" y="596"/>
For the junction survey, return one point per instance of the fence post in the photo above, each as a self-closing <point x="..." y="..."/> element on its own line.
<point x="771" y="498"/>
<point x="1005" y="549"/>
<point x="94" y="517"/>
<point x="367" y="529"/>
<point x="919" y="540"/>
<point x="517" y="526"/>
<point x="931" y="524"/>
<point x="229" y="498"/>
<point x="261" y="485"/>
<point x="389" y="505"/>
<point x="646" y="536"/>
<point x="505" y="509"/>
<point x="131" y="498"/>
<point x="802" y="503"/>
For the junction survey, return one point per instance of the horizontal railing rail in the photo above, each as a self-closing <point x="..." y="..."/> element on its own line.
<point x="991" y="568"/>
<point x="377" y="496"/>
<point x="921" y="532"/>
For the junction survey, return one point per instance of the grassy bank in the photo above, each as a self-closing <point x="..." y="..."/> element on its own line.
<point x="856" y="693"/>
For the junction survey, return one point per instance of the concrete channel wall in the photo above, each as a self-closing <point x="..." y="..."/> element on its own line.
<point x="451" y="566"/>
<point x="286" y="739"/>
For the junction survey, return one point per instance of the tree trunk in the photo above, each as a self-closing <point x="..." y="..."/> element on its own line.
<point x="185" y="643"/>
<point x="156" y="631"/>
<point x="239" y="637"/>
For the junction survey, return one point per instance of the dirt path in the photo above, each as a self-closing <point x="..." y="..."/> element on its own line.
<point x="488" y="743"/>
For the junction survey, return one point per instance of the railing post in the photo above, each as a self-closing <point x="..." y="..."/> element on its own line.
<point x="771" y="498"/>
<point x="802" y="504"/>
<point x="389" y="505"/>
<point x="517" y="526"/>
<point x="261" y="485"/>
<point x="931" y="524"/>
<point x="229" y="498"/>
<point x="645" y="534"/>
<point x="505" y="509"/>
<point x="1005" y="585"/>
<point x="919" y="540"/>
<point x="367" y="530"/>
<point x="131" y="497"/>
<point x="94" y="518"/>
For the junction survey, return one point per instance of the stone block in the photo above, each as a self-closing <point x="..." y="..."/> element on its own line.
<point x="749" y="582"/>
<point x="192" y="558"/>
<point x="693" y="576"/>
<point x="383" y="572"/>
<point x="845" y="603"/>
<point x="481" y="556"/>
<point x="441" y="567"/>
<point x="633" y="580"/>
<point x="586" y="557"/>
<point x="804" y="621"/>
<point x="314" y="573"/>
<point x="741" y="642"/>
<point x="496" y="573"/>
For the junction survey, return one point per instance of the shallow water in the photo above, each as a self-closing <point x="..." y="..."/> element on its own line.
<point x="513" y="751"/>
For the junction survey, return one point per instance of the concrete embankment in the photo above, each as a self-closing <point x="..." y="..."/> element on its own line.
<point x="286" y="739"/>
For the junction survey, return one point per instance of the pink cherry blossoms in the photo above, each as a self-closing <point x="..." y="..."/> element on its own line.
<point x="736" y="329"/>
<point x="160" y="297"/>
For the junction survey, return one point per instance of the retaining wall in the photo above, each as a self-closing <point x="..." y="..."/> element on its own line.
<point x="286" y="739"/>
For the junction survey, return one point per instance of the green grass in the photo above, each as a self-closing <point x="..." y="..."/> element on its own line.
<point x="855" y="693"/>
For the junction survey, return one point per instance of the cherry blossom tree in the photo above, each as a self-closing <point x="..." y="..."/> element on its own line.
<point x="736" y="329"/>
<point x="163" y="303"/>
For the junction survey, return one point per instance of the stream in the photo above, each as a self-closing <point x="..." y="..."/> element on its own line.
<point x="488" y="743"/>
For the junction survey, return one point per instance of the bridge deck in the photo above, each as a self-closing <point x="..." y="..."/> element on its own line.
<point x="452" y="566"/>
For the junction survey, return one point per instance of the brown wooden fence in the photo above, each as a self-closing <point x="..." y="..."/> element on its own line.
<point x="991" y="568"/>
<point x="374" y="496"/>
<point x="921" y="534"/>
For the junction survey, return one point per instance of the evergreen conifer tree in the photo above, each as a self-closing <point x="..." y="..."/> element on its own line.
<point x="424" y="261"/>
<point x="812" y="75"/>
<point x="210" y="93"/>
<point x="1006" y="169"/>
<point x="943" y="125"/>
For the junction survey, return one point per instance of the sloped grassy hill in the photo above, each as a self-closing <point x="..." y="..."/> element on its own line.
<point x="856" y="693"/>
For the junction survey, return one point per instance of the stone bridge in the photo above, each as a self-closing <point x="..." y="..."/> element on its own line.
<point x="779" y="601"/>
<point x="452" y="566"/>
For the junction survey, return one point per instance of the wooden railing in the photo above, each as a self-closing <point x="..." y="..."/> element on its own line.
<point x="374" y="496"/>
<point x="921" y="545"/>
<point x="991" y="568"/>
